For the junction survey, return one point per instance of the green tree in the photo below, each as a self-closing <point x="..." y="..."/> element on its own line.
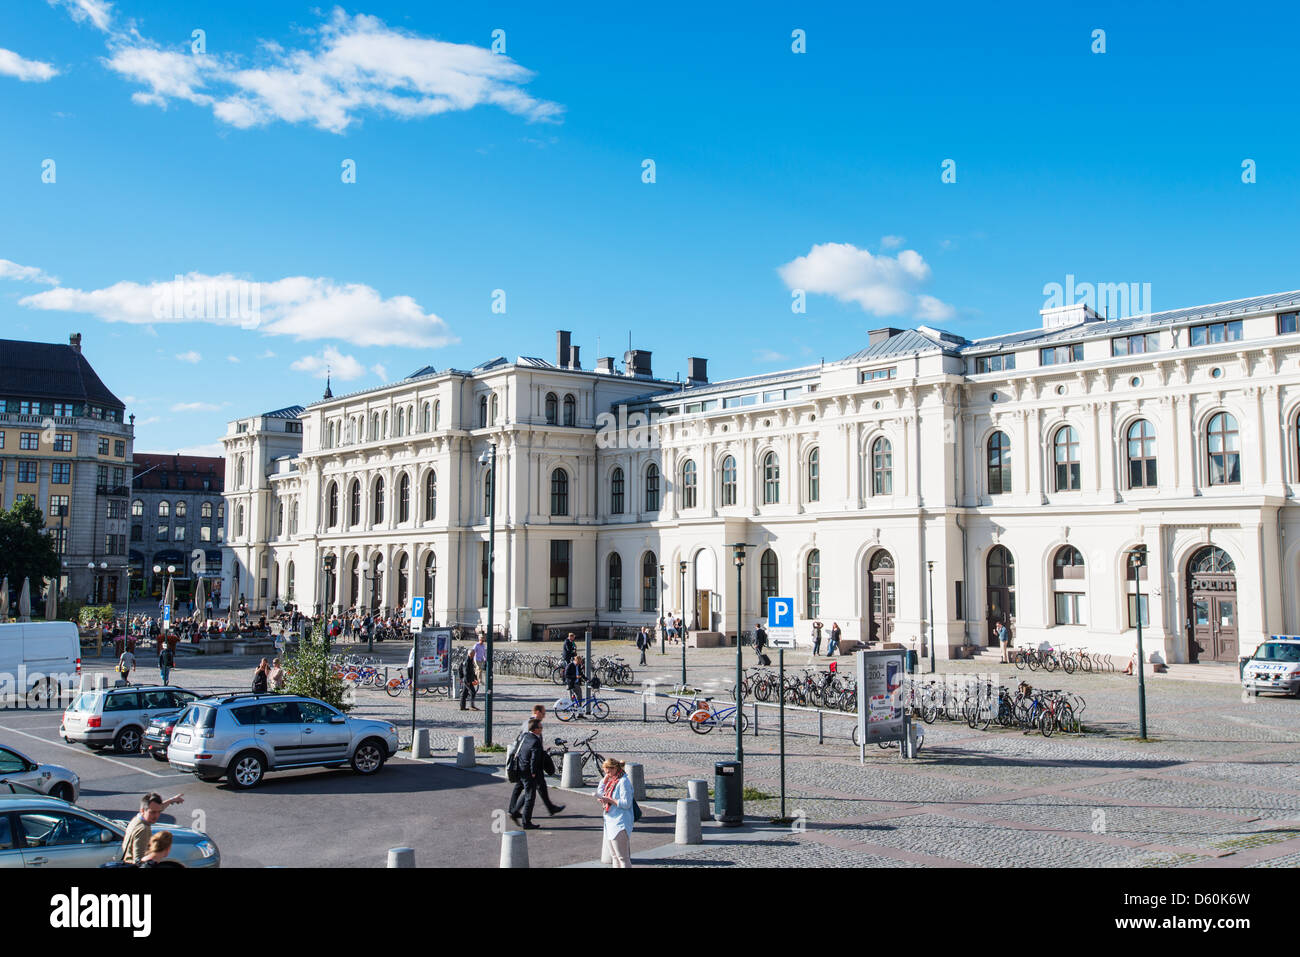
<point x="307" y="671"/>
<point x="26" y="551"/>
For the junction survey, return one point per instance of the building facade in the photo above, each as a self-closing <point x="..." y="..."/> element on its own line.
<point x="1017" y="473"/>
<point x="178" y="521"/>
<point x="65" y="443"/>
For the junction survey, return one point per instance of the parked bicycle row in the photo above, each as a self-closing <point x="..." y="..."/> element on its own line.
<point x="1068" y="660"/>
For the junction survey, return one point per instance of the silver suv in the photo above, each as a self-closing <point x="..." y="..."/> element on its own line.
<point x="242" y="736"/>
<point x="118" y="716"/>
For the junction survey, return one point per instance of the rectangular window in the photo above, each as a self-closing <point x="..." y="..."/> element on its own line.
<point x="63" y="442"/>
<point x="1135" y="345"/>
<point x="103" y="445"/>
<point x="178" y="533"/>
<point x="119" y="477"/>
<point x="1071" y="608"/>
<point x="2" y="439"/>
<point x="162" y="533"/>
<point x="995" y="363"/>
<point x="28" y="407"/>
<point x="60" y="539"/>
<point x="116" y="509"/>
<point x="29" y="441"/>
<point x="119" y="448"/>
<point x="483" y="573"/>
<point x="1059" y="355"/>
<point x="293" y="427"/>
<point x="1215" y="333"/>
<point x="58" y="506"/>
<point x="101" y="475"/>
<point x="1286" y="323"/>
<point x="736" y="401"/>
<point x="61" y="473"/>
<point x="28" y="471"/>
<point x="205" y="533"/>
<point x="776" y="396"/>
<point x="876" y="375"/>
<point x="960" y="605"/>
<point x="1133" y="611"/>
<point x="560" y="574"/>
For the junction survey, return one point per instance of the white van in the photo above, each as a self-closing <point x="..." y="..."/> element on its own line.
<point x="36" y="658"/>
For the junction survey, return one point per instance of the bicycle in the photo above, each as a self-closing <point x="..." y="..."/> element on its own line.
<point x="706" y="718"/>
<point x="568" y="709"/>
<point x="683" y="708"/>
<point x="589" y="753"/>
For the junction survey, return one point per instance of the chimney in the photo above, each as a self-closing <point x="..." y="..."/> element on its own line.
<point x="574" y="362"/>
<point x="605" y="365"/>
<point x="697" y="370"/>
<point x="562" y="348"/>
<point x="880" y="335"/>
<point x="637" y="363"/>
<point x="74" y="340"/>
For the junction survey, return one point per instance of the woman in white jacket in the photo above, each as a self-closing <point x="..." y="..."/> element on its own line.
<point x="615" y="795"/>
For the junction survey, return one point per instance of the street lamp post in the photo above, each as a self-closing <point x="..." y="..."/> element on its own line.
<point x="663" y="628"/>
<point x="738" y="555"/>
<point x="1137" y="560"/>
<point x="930" y="567"/>
<point x="681" y="567"/>
<point x="370" y="579"/>
<point x="489" y="458"/>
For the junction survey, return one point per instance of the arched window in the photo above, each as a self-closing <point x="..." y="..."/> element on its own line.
<point x="482" y="412"/>
<point x="882" y="467"/>
<point x="815" y="475"/>
<point x="999" y="465"/>
<point x="164" y="509"/>
<point x="614" y="586"/>
<point x="279" y="519"/>
<point x="379" y="502"/>
<point x="1141" y="455"/>
<point x="1223" y="444"/>
<point x="652" y="488"/>
<point x="403" y="581"/>
<point x="768" y="580"/>
<point x="239" y="473"/>
<point x="430" y="496"/>
<point x="428" y="417"/>
<point x="293" y="518"/>
<point x="814" y="590"/>
<point x="616" y="493"/>
<point x="205" y="510"/>
<point x="649" y="582"/>
<point x="492" y="416"/>
<point x="729" y="480"/>
<point x="771" y="479"/>
<point x="385" y="423"/>
<point x="333" y="508"/>
<point x="401" y="421"/>
<point x="430" y="579"/>
<point x="404" y="499"/>
<point x="570" y="410"/>
<point x="288" y="582"/>
<point x="239" y="522"/>
<point x="688" y="484"/>
<point x="1068" y="585"/>
<point x="354" y="505"/>
<point x="137" y="509"/>
<point x="181" y="509"/>
<point x="487" y="493"/>
<point x="437" y="412"/>
<point x="559" y="492"/>
<point x="552" y="409"/>
<point x="1065" y="454"/>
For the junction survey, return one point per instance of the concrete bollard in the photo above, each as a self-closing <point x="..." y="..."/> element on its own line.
<point x="571" y="773"/>
<point x="698" y="790"/>
<point x="514" y="849"/>
<point x="101" y="681"/>
<point x="637" y="773"/>
<point x="465" y="751"/>
<point x="401" y="857"/>
<point x="688" y="822"/>
<point x="420" y="746"/>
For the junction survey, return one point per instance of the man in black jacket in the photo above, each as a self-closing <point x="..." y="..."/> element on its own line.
<point x="573" y="676"/>
<point x="531" y="760"/>
<point x="568" y="649"/>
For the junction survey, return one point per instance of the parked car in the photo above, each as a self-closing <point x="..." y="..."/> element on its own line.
<point x="158" y="735"/>
<point x="47" y="832"/>
<point x="49" y="779"/>
<point x="118" y="716"/>
<point x="242" y="736"/>
<point x="1275" y="666"/>
<point x="47" y="654"/>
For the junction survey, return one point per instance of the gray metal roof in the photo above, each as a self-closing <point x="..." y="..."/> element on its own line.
<point x="909" y="342"/>
<point x="689" y="393"/>
<point x="288" y="412"/>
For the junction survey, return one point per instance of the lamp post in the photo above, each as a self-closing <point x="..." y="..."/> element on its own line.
<point x="663" y="628"/>
<point x="930" y="568"/>
<point x="489" y="458"/>
<point x="738" y="555"/>
<point x="370" y="579"/>
<point x="1137" y="560"/>
<point x="681" y="567"/>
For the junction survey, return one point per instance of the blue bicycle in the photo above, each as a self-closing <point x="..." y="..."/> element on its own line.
<point x="567" y="709"/>
<point x="708" y="716"/>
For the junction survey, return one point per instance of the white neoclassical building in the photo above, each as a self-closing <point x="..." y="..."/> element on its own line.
<point x="1016" y="472"/>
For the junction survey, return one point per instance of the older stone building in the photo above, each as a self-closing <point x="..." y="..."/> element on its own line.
<point x="178" y="521"/>
<point x="1018" y="473"/>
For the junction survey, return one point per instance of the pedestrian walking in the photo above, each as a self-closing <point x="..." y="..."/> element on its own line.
<point x="480" y="655"/>
<point x="125" y="665"/>
<point x="468" y="683"/>
<point x="166" y="661"/>
<point x="615" y="795"/>
<point x="548" y="767"/>
<point x="817" y="638"/>
<point x="680" y="628"/>
<point x="1004" y="639"/>
<point x="643" y="641"/>
<point x="530" y="764"/>
<point x="135" y="843"/>
<point x="833" y="646"/>
<point x="261" y="677"/>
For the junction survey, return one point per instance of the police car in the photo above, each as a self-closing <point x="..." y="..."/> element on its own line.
<point x="1275" y="666"/>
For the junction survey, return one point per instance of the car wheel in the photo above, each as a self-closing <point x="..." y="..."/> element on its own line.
<point x="368" y="757"/>
<point x="246" y="770"/>
<point x="127" y="741"/>
<point x="62" y="791"/>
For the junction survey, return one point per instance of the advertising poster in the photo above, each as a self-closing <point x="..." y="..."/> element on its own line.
<point x="880" y="703"/>
<point x="433" y="658"/>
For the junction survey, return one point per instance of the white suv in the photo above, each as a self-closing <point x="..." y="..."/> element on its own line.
<point x="1275" y="666"/>
<point x="118" y="716"/>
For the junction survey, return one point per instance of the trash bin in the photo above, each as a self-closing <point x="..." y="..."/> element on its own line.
<point x="729" y="793"/>
<point x="911" y="661"/>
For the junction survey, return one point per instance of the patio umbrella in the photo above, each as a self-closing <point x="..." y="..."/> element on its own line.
<point x="4" y="599"/>
<point x="52" y="600"/>
<point x="200" y="599"/>
<point x="25" y="601"/>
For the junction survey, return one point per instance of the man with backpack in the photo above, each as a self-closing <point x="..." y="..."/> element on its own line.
<point x="527" y="765"/>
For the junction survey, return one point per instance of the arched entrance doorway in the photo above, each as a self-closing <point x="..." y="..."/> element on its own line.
<point x="403" y="582"/>
<point x="881" y="587"/>
<point x="706" y="586"/>
<point x="377" y="584"/>
<point x="1001" y="603"/>
<point x="1212" y="601"/>
<point x="354" y="582"/>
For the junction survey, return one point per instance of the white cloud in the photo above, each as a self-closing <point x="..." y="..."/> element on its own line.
<point x="380" y="371"/>
<point x="190" y="356"/>
<point x="29" y="71"/>
<point x="97" y="12"/>
<point x="148" y="421"/>
<point x="11" y="270"/>
<point x="232" y="358"/>
<point x="303" y="307"/>
<point x="891" y="242"/>
<point x="211" y="449"/>
<point x="197" y="406"/>
<point x="768" y="355"/>
<point x="349" y="66"/>
<point x="882" y="285"/>
<point x="331" y="362"/>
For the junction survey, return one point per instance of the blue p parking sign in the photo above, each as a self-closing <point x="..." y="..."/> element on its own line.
<point x="417" y="609"/>
<point x="780" y="613"/>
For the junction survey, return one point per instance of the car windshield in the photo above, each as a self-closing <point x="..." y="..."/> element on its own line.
<point x="1278" y="651"/>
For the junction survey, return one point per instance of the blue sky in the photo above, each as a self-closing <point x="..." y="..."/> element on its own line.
<point x="522" y="171"/>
